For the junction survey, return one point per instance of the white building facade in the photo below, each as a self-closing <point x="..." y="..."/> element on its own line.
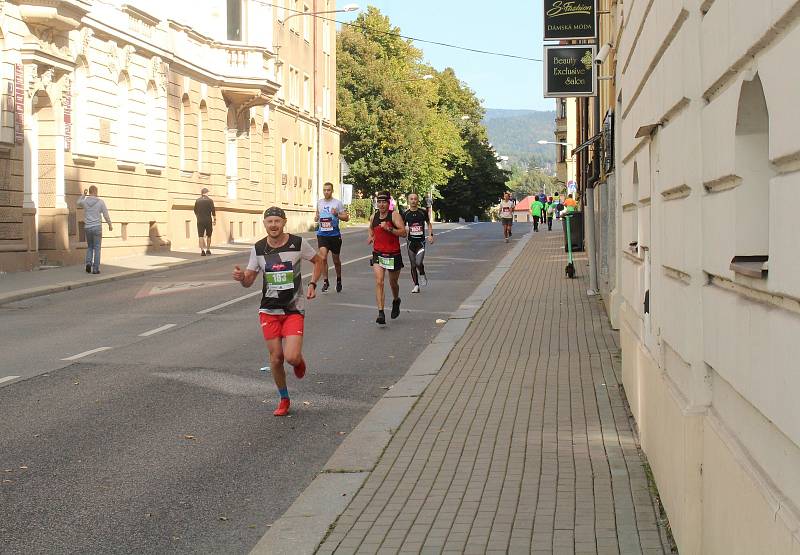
<point x="708" y="169"/>
<point x="151" y="102"/>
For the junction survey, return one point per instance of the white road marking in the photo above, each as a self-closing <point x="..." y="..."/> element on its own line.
<point x="156" y="330"/>
<point x="8" y="378"/>
<point x="372" y="307"/>
<point x="87" y="353"/>
<point x="308" y="275"/>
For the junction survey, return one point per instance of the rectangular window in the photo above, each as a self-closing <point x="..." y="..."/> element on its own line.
<point x="308" y="22"/>
<point x="306" y="94"/>
<point x="326" y="37"/>
<point x="281" y="11"/>
<point x="282" y="90"/>
<point x="235" y="20"/>
<point x="283" y="156"/>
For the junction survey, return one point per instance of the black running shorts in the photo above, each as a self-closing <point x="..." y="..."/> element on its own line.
<point x="331" y="242"/>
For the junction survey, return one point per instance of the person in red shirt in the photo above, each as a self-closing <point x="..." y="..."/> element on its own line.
<point x="385" y="230"/>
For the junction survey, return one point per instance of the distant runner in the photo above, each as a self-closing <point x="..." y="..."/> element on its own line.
<point x="550" y="210"/>
<point x="416" y="218"/>
<point x="385" y="231"/>
<point x="537" y="209"/>
<point x="506" y="215"/>
<point x="329" y="238"/>
<point x="279" y="257"/>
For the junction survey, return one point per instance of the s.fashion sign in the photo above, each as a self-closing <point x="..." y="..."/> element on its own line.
<point x="570" y="19"/>
<point x="569" y="71"/>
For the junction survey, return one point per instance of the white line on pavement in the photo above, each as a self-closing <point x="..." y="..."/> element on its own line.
<point x="372" y="307"/>
<point x="86" y="353"/>
<point x="156" y="330"/>
<point x="8" y="378"/>
<point x="256" y="293"/>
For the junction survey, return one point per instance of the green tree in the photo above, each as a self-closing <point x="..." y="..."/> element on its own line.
<point x="529" y="180"/>
<point x="395" y="137"/>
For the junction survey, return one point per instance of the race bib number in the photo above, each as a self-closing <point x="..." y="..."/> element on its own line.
<point x="506" y="212"/>
<point x="326" y="224"/>
<point x="416" y="230"/>
<point x="386" y="262"/>
<point x="279" y="277"/>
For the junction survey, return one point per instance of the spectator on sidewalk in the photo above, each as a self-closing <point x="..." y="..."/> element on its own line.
<point x="93" y="209"/>
<point x="206" y="220"/>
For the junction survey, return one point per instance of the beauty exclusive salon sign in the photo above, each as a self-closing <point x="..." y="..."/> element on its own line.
<point x="569" y="71"/>
<point x="570" y="19"/>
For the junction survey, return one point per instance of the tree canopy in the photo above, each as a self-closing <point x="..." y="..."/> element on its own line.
<point x="409" y="127"/>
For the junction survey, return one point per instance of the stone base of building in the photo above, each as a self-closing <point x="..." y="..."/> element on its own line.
<point x="18" y="261"/>
<point x="717" y="498"/>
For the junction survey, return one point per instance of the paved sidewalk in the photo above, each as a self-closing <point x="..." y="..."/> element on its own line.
<point x="521" y="443"/>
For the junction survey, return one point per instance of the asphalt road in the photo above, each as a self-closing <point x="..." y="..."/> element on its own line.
<point x="164" y="441"/>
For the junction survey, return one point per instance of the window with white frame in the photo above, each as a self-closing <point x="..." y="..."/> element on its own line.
<point x="282" y="89"/>
<point x="183" y="139"/>
<point x="231" y="152"/>
<point x="80" y="107"/>
<point x="151" y="123"/>
<point x="123" y="117"/>
<point x="326" y="37"/>
<point x="308" y="22"/>
<point x="202" y="139"/>
<point x="306" y="93"/>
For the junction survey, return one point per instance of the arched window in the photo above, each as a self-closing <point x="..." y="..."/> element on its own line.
<point x="80" y="107"/>
<point x="183" y="139"/>
<point x="755" y="171"/>
<point x="151" y="123"/>
<point x="231" y="154"/>
<point x="202" y="139"/>
<point x="254" y="159"/>
<point x="123" y="117"/>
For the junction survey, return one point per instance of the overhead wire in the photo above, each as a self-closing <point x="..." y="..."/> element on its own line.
<point x="400" y="35"/>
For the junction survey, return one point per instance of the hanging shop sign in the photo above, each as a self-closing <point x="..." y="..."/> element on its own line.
<point x="570" y="19"/>
<point x="570" y="71"/>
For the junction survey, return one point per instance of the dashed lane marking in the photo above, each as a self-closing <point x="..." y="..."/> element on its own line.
<point x="156" y="330"/>
<point x="86" y="353"/>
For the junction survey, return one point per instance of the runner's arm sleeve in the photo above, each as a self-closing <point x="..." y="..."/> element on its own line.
<point x="307" y="252"/>
<point x="105" y="212"/>
<point x="252" y="264"/>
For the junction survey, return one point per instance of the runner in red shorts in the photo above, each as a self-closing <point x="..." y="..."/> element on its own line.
<point x="279" y="257"/>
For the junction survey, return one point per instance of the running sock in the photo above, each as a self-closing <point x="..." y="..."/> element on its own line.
<point x="284" y="393"/>
<point x="300" y="369"/>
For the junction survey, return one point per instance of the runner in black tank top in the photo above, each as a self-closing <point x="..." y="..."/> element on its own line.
<point x="416" y="219"/>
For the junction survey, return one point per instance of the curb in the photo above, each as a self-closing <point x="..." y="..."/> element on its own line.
<point x="77" y="284"/>
<point x="303" y="527"/>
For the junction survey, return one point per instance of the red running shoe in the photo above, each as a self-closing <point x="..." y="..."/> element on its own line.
<point x="300" y="369"/>
<point x="283" y="407"/>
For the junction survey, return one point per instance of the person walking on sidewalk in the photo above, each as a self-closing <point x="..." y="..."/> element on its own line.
<point x="549" y="212"/>
<point x="537" y="209"/>
<point x="279" y="256"/>
<point x="206" y="216"/>
<point x="94" y="208"/>
<point x="385" y="231"/>
<point x="506" y="215"/>
<point x="416" y="218"/>
<point x="329" y="238"/>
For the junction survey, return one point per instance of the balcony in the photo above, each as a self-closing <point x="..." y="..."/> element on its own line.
<point x="55" y="14"/>
<point x="561" y="125"/>
<point x="245" y="73"/>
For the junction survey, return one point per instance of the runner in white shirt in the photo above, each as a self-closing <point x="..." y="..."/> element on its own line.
<point x="506" y="215"/>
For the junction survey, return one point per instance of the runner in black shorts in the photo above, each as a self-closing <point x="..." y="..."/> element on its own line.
<point x="415" y="219"/>
<point x="206" y="219"/>
<point x="329" y="238"/>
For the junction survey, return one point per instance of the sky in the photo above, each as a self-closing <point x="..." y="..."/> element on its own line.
<point x="516" y="28"/>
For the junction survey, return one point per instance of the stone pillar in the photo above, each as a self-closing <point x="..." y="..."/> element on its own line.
<point x="30" y="199"/>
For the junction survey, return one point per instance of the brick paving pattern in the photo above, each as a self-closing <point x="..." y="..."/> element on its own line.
<point x="522" y="443"/>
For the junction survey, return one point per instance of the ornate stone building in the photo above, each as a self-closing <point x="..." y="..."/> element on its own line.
<point x="151" y="103"/>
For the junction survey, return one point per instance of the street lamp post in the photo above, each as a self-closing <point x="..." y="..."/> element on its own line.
<point x="317" y="111"/>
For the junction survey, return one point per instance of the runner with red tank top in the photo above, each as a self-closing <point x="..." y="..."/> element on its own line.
<point x="385" y="230"/>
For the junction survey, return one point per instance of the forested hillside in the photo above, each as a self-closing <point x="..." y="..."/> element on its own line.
<point x="514" y="133"/>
